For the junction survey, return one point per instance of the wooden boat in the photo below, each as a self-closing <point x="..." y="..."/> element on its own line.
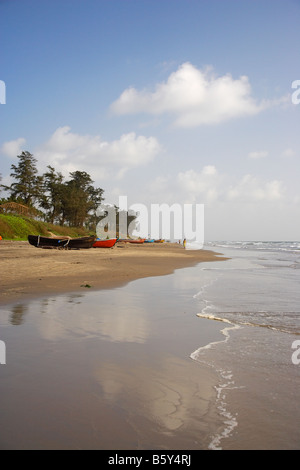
<point x="61" y="242"/>
<point x="132" y="240"/>
<point x="159" y="241"/>
<point x="108" y="243"/>
<point x="150" y="241"/>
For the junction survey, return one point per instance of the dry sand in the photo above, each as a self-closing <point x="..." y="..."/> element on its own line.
<point x="28" y="272"/>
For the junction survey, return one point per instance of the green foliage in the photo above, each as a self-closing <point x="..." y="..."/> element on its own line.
<point x="13" y="227"/>
<point x="28" y="185"/>
<point x="51" y="199"/>
<point x="18" y="228"/>
<point x="80" y="198"/>
<point x="72" y="202"/>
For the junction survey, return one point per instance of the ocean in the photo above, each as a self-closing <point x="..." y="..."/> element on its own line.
<point x="256" y="296"/>
<point x="204" y="358"/>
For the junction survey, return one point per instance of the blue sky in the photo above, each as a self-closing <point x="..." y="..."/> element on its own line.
<point x="170" y="101"/>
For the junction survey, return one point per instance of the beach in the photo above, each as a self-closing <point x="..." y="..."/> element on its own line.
<point x="166" y="349"/>
<point x="31" y="272"/>
<point x="105" y="367"/>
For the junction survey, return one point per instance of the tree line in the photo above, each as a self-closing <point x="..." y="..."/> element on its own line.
<point x="71" y="202"/>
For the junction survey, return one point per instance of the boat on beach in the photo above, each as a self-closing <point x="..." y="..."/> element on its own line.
<point x="108" y="243"/>
<point x="132" y="240"/>
<point x="66" y="243"/>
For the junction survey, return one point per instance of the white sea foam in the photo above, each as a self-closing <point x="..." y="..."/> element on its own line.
<point x="285" y="246"/>
<point x="196" y="354"/>
<point x="213" y="317"/>
<point x="230" y="421"/>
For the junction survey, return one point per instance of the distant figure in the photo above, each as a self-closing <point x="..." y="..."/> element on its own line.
<point x="184" y="243"/>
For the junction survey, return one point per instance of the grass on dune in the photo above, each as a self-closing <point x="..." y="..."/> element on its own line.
<point x="14" y="227"/>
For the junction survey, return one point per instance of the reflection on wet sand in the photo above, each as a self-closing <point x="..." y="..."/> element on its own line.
<point x="174" y="395"/>
<point x="116" y="316"/>
<point x="17" y="314"/>
<point x="105" y="370"/>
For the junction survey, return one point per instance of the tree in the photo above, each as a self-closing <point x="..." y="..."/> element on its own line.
<point x="95" y="196"/>
<point x="28" y="185"/>
<point x="74" y="202"/>
<point x="51" y="199"/>
<point x="2" y="186"/>
<point x="80" y="198"/>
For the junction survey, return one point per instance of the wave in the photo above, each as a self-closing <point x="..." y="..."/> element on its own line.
<point x="195" y="355"/>
<point x="213" y="317"/>
<point x="230" y="421"/>
<point x="241" y="323"/>
<point x="286" y="246"/>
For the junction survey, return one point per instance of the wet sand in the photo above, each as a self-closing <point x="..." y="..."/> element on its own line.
<point x="108" y="369"/>
<point x="29" y="272"/>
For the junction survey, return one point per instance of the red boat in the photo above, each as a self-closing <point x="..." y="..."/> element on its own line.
<point x="108" y="243"/>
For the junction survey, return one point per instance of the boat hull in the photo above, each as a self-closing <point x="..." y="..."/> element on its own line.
<point x="61" y="243"/>
<point x="137" y="241"/>
<point x="105" y="243"/>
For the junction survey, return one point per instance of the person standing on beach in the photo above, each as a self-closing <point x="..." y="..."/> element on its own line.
<point x="184" y="243"/>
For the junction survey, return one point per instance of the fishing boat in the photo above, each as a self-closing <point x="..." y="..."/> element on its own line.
<point x="66" y="243"/>
<point x="150" y="240"/>
<point x="108" y="243"/>
<point x="132" y="240"/>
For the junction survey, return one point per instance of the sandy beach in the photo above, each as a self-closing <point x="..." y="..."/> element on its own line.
<point x="116" y="353"/>
<point x="141" y="364"/>
<point x="29" y="272"/>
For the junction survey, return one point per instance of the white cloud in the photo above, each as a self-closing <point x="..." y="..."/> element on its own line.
<point x="186" y="187"/>
<point x="6" y="180"/>
<point x="287" y="153"/>
<point x="258" y="154"/>
<point x="194" y="96"/>
<point x="251" y="189"/>
<point x="208" y="186"/>
<point x="203" y="185"/>
<point x="68" y="151"/>
<point x="13" y="148"/>
<point x="244" y="207"/>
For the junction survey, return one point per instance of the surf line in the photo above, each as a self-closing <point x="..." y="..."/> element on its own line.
<point x="230" y="421"/>
<point x="225" y="332"/>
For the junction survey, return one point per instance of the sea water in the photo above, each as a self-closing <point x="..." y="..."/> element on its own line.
<point x="256" y="296"/>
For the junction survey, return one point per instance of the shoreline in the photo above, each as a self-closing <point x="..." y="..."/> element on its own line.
<point x="116" y="357"/>
<point x="31" y="272"/>
<point x="124" y="356"/>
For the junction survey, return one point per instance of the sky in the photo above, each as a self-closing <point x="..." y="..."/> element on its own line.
<point x="162" y="101"/>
